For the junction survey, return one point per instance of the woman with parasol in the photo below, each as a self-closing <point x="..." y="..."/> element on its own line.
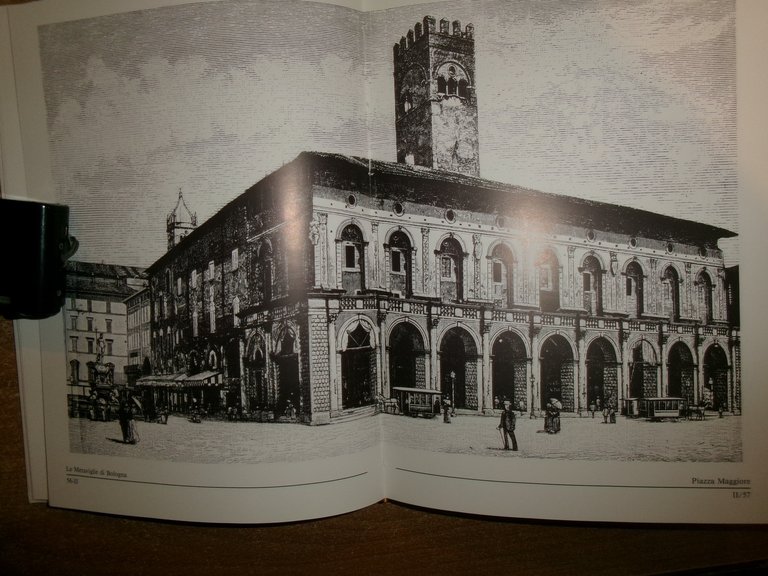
<point x="552" y="418"/>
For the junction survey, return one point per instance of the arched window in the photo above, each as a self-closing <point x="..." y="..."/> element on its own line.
<point x="452" y="86"/>
<point x="451" y="268"/>
<point x="592" y="278"/>
<point x="236" y="311"/>
<point x="549" y="282"/>
<point x="441" y="85"/>
<point x="704" y="289"/>
<point x="671" y="293"/>
<point x="407" y="101"/>
<point x="634" y="289"/>
<point x="502" y="263"/>
<point x="352" y="259"/>
<point x="463" y="88"/>
<point x="400" y="278"/>
<point x="266" y="272"/>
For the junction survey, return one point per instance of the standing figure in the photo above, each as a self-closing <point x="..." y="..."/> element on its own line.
<point x="507" y="424"/>
<point x="125" y="418"/>
<point x="446" y="410"/>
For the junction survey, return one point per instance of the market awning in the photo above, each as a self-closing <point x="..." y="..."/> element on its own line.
<point x="206" y="378"/>
<point x="162" y="380"/>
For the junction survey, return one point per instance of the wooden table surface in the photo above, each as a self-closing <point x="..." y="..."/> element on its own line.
<point x="383" y="539"/>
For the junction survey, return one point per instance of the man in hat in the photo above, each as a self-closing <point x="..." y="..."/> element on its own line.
<point x="507" y="424"/>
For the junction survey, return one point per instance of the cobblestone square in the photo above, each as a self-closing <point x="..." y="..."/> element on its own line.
<point x="213" y="441"/>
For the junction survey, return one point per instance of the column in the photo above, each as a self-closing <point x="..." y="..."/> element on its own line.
<point x="485" y="400"/>
<point x="335" y="399"/>
<point x="425" y="271"/>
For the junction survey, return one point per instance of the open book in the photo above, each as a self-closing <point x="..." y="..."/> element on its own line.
<point x="473" y="256"/>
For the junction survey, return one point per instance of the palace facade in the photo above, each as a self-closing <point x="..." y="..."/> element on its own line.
<point x="336" y="278"/>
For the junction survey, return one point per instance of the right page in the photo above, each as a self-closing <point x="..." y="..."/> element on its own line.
<point x="572" y="334"/>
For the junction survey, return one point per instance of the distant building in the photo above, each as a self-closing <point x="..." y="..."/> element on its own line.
<point x="95" y="320"/>
<point x="336" y="278"/>
<point x="138" y="327"/>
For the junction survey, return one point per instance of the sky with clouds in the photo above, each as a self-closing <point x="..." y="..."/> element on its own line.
<point x="626" y="102"/>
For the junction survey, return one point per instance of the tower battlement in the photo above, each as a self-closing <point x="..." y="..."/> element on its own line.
<point x="435" y="104"/>
<point x="429" y="27"/>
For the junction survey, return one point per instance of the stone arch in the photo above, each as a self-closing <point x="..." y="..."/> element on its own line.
<point x="680" y="372"/>
<point x="459" y="370"/>
<point x="716" y="368"/>
<point x="557" y="364"/>
<point x="602" y="373"/>
<point x="442" y="70"/>
<point x="407" y="355"/>
<point x="359" y="373"/>
<point x="643" y="369"/>
<point x="257" y="389"/>
<point x="509" y="369"/>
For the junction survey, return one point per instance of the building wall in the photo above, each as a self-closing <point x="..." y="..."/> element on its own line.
<point x="699" y="325"/>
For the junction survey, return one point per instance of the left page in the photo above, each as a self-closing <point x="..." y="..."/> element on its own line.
<point x="175" y="380"/>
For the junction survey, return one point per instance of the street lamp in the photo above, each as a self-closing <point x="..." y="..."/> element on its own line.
<point x="453" y="392"/>
<point x="533" y="395"/>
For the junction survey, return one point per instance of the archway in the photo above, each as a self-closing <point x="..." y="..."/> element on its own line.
<point x="643" y="371"/>
<point x="287" y="364"/>
<point x="256" y="389"/>
<point x="458" y="368"/>
<point x="509" y="369"/>
<point x="407" y="358"/>
<point x="680" y="370"/>
<point x="716" y="377"/>
<point x="358" y="368"/>
<point x="602" y="374"/>
<point x="557" y="374"/>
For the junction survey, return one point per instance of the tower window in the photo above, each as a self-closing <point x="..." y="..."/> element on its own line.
<point x="463" y="89"/>
<point x="440" y="85"/>
<point x="452" y="86"/>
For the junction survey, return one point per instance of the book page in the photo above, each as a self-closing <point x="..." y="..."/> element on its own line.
<point x="582" y="356"/>
<point x="176" y="379"/>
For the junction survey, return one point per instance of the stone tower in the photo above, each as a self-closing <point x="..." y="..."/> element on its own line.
<point x="179" y="222"/>
<point x="436" y="107"/>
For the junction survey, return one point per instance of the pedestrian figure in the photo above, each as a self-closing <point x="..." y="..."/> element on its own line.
<point x="507" y="425"/>
<point x="446" y="410"/>
<point x="122" y="417"/>
<point x="552" y="419"/>
<point x="127" y="423"/>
